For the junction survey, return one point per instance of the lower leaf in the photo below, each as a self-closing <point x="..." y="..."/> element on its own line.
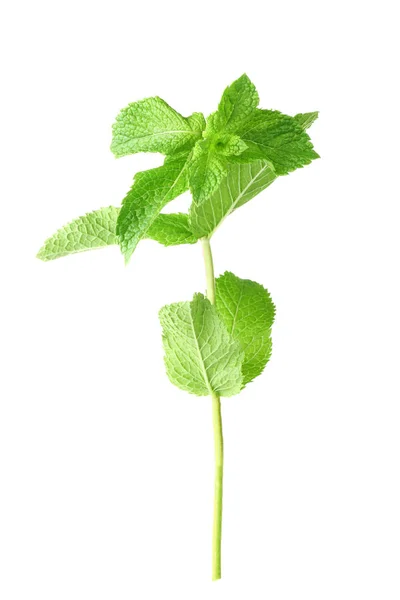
<point x="201" y="357"/>
<point x="248" y="312"/>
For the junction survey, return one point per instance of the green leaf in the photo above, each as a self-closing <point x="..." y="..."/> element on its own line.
<point x="248" y="312"/>
<point x="238" y="102"/>
<point x="243" y="182"/>
<point x="98" y="229"/>
<point x="197" y="122"/>
<point x="151" y="125"/>
<point x="94" y="230"/>
<point x="201" y="357"/>
<point x="206" y="171"/>
<point x="305" y="120"/>
<point x="278" y="138"/>
<point x="171" y="230"/>
<point x="150" y="192"/>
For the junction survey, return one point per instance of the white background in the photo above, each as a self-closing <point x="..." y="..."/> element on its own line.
<point x="106" y="469"/>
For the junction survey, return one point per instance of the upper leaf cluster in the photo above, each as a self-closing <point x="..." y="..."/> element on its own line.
<point x="224" y="160"/>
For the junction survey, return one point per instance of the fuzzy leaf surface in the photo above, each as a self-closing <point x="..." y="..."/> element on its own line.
<point x="150" y="192"/>
<point x="229" y="144"/>
<point x="98" y="229"/>
<point x="151" y="125"/>
<point x="171" y="230"/>
<point x="94" y="230"/>
<point x="238" y="102"/>
<point x="277" y="138"/>
<point x="206" y="171"/>
<point x="248" y="312"/>
<point x="201" y="357"/>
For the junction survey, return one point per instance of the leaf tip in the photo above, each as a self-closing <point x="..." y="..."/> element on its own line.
<point x="41" y="255"/>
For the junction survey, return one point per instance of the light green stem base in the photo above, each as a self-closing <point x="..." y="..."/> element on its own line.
<point x="219" y="473"/>
<point x="218" y="436"/>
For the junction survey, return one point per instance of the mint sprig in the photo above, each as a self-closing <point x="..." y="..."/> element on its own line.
<point x="214" y="345"/>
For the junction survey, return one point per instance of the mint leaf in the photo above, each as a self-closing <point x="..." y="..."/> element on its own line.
<point x="150" y="192"/>
<point x="238" y="102"/>
<point x="151" y="125"/>
<point x="98" y="229"/>
<point x="200" y="355"/>
<point x="206" y="171"/>
<point x="243" y="182"/>
<point x="278" y="138"/>
<point x="248" y="312"/>
<point x="305" y="120"/>
<point x="171" y="230"/>
<point x="94" y="230"/>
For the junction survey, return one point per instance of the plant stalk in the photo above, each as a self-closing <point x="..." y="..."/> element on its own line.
<point x="218" y="435"/>
<point x="209" y="265"/>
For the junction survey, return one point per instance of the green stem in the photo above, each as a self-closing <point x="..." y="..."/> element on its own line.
<point x="219" y="473"/>
<point x="218" y="436"/>
<point x="208" y="262"/>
